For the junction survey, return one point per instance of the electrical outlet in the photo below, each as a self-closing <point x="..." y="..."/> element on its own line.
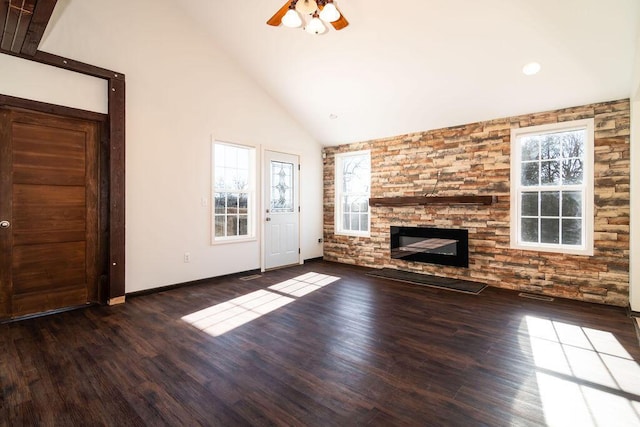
<point x="187" y="257"/>
<point x="320" y="240"/>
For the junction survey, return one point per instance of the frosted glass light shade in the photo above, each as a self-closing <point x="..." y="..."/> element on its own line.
<point x="315" y="26"/>
<point x="291" y="19"/>
<point x="306" y="7"/>
<point x="329" y="13"/>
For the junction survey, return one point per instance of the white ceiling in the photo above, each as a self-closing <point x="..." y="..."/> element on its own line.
<point x="414" y="65"/>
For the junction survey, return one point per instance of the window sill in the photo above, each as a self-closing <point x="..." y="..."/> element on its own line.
<point x="230" y="241"/>
<point x="348" y="234"/>
<point x="553" y="249"/>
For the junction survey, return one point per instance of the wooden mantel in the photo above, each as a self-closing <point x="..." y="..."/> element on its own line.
<point x="433" y="200"/>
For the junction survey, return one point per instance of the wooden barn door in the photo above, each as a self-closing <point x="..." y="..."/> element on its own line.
<point x="48" y="212"/>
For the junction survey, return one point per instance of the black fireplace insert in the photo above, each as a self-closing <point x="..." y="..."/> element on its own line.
<point x="431" y="245"/>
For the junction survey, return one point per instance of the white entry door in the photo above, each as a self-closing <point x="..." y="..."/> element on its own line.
<point x="281" y="210"/>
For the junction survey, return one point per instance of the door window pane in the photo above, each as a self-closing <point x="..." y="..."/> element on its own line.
<point x="282" y="187"/>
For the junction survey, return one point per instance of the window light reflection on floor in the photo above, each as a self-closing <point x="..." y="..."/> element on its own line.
<point x="224" y="317"/>
<point x="585" y="376"/>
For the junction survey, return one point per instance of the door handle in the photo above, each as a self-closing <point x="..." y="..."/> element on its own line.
<point x="5" y="224"/>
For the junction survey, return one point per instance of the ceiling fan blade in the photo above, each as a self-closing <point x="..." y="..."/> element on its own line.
<point x="340" y="23"/>
<point x="276" y="19"/>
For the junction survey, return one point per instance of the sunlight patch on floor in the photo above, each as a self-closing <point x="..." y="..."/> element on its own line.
<point x="585" y="376"/>
<point x="224" y="317"/>
<point x="303" y="285"/>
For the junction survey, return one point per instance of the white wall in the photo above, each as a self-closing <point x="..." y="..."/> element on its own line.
<point x="634" y="258"/>
<point x="181" y="90"/>
<point x="30" y="80"/>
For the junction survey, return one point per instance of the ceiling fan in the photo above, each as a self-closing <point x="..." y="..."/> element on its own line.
<point x="290" y="14"/>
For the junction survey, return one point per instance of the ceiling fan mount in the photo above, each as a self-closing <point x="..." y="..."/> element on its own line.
<point x="309" y="14"/>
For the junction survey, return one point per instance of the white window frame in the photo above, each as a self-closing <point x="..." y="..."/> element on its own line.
<point x="339" y="193"/>
<point x="250" y="192"/>
<point x="586" y="187"/>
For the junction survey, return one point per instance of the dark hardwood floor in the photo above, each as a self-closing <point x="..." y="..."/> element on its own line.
<point x="357" y="350"/>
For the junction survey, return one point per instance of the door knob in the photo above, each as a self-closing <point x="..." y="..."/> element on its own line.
<point x="5" y="224"/>
<point x="267" y="219"/>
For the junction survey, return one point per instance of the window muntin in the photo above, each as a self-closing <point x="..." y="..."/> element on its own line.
<point x="552" y="187"/>
<point x="233" y="192"/>
<point x="353" y="186"/>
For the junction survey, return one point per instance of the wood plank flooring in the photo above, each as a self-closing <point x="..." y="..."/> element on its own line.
<point x="322" y="345"/>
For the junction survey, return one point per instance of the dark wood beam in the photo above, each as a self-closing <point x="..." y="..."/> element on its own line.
<point x="38" y="25"/>
<point x="10" y="27"/>
<point x="68" y="64"/>
<point x="117" y="112"/>
<point x="432" y="200"/>
<point x="4" y="9"/>
<point x="15" y="19"/>
<point x="25" y="14"/>
<point x="23" y="23"/>
<point x="77" y="66"/>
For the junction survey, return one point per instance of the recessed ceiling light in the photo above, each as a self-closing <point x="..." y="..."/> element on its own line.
<point x="531" y="68"/>
<point x="333" y="116"/>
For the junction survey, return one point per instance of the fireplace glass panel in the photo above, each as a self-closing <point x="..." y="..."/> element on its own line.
<point x="430" y="245"/>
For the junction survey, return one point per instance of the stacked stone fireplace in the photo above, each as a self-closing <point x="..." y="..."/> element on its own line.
<point x="474" y="159"/>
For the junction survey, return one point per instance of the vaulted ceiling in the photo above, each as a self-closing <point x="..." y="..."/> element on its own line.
<point x="411" y="65"/>
<point x="414" y="65"/>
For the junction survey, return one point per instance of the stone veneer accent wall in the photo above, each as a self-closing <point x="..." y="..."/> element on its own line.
<point x="474" y="159"/>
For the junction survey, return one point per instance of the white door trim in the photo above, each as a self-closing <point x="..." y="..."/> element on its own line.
<point x="264" y="206"/>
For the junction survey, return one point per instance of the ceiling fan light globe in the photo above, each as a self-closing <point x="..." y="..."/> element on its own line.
<point x="315" y="26"/>
<point x="306" y="7"/>
<point x="329" y="13"/>
<point x="291" y="19"/>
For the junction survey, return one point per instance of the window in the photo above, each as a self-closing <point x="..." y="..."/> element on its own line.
<point x="353" y="184"/>
<point x="282" y="187"/>
<point x="552" y="187"/>
<point x="233" y="192"/>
